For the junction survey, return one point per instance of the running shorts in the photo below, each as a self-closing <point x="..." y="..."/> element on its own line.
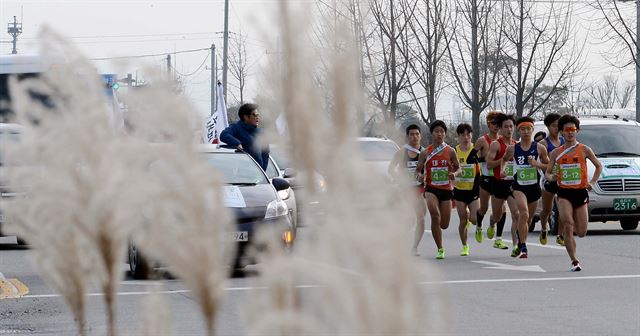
<point x="501" y="189"/>
<point x="441" y="194"/>
<point x="466" y="196"/>
<point x="577" y="197"/>
<point x="532" y="192"/>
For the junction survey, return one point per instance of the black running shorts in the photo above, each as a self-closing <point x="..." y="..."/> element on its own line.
<point x="486" y="183"/>
<point x="577" y="197"/>
<point x="466" y="196"/>
<point x="502" y="189"/>
<point x="441" y="194"/>
<point x="532" y="192"/>
<point x="551" y="187"/>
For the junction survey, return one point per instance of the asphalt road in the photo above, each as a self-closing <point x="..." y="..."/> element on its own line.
<point x="486" y="293"/>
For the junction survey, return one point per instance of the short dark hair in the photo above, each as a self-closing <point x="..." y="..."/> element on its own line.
<point x="493" y="116"/>
<point x="542" y="134"/>
<point x="568" y="119"/>
<point x="500" y="119"/>
<point x="464" y="127"/>
<point x="246" y="110"/>
<point x="413" y="127"/>
<point x="550" y="118"/>
<point x="436" y="124"/>
<point x="524" y="119"/>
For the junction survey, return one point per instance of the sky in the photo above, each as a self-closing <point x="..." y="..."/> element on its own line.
<point x="123" y="28"/>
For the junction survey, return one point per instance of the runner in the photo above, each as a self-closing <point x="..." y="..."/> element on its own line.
<point x="502" y="184"/>
<point x="573" y="186"/>
<point x="407" y="159"/>
<point x="466" y="190"/>
<point x="550" y="188"/>
<point x="440" y="165"/>
<point x="528" y="157"/>
<point x="487" y="179"/>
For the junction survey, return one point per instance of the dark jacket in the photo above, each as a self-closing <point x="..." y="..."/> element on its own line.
<point x="245" y="134"/>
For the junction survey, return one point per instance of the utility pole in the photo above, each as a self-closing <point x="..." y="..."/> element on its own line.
<point x="168" y="67"/>
<point x="14" y="29"/>
<point x="214" y="79"/>
<point x="226" y="48"/>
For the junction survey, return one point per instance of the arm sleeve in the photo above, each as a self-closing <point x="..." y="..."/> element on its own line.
<point x="228" y="136"/>
<point x="473" y="157"/>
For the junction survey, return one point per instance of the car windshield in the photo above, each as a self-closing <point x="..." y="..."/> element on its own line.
<point x="271" y="171"/>
<point x="281" y="159"/>
<point x="604" y="139"/>
<point x="378" y="150"/>
<point x="237" y="168"/>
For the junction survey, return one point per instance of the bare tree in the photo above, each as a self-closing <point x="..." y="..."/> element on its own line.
<point x="610" y="93"/>
<point x="537" y="51"/>
<point x="426" y="57"/>
<point x="238" y="64"/>
<point x="473" y="46"/>
<point x="625" y="93"/>
<point x="618" y="24"/>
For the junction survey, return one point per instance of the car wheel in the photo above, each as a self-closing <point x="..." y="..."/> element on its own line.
<point x="138" y="264"/>
<point x="534" y="220"/>
<point x="629" y="224"/>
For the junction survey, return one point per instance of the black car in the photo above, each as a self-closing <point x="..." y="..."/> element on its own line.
<point x="252" y="198"/>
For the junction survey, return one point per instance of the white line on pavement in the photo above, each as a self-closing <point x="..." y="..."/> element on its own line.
<point x="540" y="245"/>
<point x="603" y="277"/>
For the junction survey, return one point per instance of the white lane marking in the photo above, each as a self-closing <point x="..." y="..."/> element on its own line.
<point x="427" y="231"/>
<point x="507" y="267"/>
<point x="603" y="277"/>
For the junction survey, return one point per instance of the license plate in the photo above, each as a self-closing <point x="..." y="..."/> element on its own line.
<point x="623" y="204"/>
<point x="241" y="236"/>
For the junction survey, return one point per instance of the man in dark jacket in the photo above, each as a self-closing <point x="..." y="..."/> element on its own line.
<point x="242" y="134"/>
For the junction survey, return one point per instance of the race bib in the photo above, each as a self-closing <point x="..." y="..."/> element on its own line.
<point x="571" y="174"/>
<point x="527" y="175"/>
<point x="467" y="173"/>
<point x="411" y="172"/>
<point x="485" y="170"/>
<point x="440" y="176"/>
<point x="509" y="170"/>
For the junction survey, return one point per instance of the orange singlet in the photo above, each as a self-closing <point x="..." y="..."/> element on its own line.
<point x="437" y="169"/>
<point x="572" y="168"/>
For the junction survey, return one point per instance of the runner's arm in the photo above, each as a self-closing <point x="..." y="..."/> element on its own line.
<point x="588" y="153"/>
<point x="393" y="165"/>
<point x="493" y="150"/>
<point x="420" y="167"/>
<point x="455" y="165"/>
<point x="543" y="158"/>
<point x="508" y="154"/>
<point x="548" y="174"/>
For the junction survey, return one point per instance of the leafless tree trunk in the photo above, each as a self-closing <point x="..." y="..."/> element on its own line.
<point x="238" y="64"/>
<point x="537" y="51"/>
<point x="625" y="93"/>
<point x="426" y="56"/>
<point x="473" y="46"/>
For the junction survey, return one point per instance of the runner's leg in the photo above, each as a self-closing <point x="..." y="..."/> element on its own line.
<point x="520" y="201"/>
<point x="434" y="212"/>
<point x="421" y="212"/>
<point x="461" y="208"/>
<point x="566" y="217"/>
<point x="547" y="203"/>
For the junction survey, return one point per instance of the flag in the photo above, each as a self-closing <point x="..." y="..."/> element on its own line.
<point x="218" y="121"/>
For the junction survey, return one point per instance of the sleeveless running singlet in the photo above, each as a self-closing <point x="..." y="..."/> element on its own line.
<point x="468" y="172"/>
<point x="412" y="163"/>
<point x="526" y="174"/>
<point x="437" y="168"/>
<point x="497" y="171"/>
<point x="572" y="168"/>
<point x="483" y="165"/>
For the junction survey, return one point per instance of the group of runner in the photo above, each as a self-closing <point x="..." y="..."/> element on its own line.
<point x="496" y="170"/>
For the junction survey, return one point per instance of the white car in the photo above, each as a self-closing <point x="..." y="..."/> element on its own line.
<point x="616" y="195"/>
<point x="377" y="153"/>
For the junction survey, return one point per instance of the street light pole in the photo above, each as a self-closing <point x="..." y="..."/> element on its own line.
<point x="226" y="48"/>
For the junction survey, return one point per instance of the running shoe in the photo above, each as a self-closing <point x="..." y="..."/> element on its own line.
<point x="543" y="237"/>
<point x="499" y="244"/>
<point x="515" y="252"/>
<point x="491" y="232"/>
<point x="575" y="266"/>
<point x="523" y="255"/>
<point x="479" y="235"/>
<point x="465" y="250"/>
<point x="440" y="253"/>
<point x="415" y="252"/>
<point x="560" y="240"/>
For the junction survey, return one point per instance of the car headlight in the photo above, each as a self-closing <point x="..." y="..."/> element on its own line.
<point x="276" y="208"/>
<point x="284" y="194"/>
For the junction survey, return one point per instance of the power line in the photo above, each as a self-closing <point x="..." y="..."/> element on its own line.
<point x="195" y="71"/>
<point x="148" y="55"/>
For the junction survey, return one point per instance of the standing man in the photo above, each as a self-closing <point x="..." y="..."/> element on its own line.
<point x="550" y="188"/>
<point x="487" y="179"/>
<point x="440" y="166"/>
<point x="573" y="186"/>
<point x="466" y="190"/>
<point x="503" y="172"/>
<point x="407" y="160"/>
<point x="528" y="157"/>
<point x="243" y="133"/>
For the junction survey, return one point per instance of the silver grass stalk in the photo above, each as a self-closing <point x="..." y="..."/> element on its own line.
<point x="355" y="274"/>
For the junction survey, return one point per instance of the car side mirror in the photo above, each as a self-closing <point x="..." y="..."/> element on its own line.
<point x="290" y="172"/>
<point x="280" y="184"/>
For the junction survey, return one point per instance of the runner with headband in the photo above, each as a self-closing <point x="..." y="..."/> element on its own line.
<point x="403" y="169"/>
<point x="529" y="157"/>
<point x="573" y="186"/>
<point x="440" y="165"/>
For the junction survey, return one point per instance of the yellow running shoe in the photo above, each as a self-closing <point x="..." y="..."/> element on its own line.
<point x="479" y="235"/>
<point x="499" y="244"/>
<point x="465" y="250"/>
<point x="543" y="237"/>
<point x="560" y="240"/>
<point x="440" y="253"/>
<point x="491" y="232"/>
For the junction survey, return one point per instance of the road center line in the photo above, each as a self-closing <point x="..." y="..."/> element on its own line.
<point x="232" y="289"/>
